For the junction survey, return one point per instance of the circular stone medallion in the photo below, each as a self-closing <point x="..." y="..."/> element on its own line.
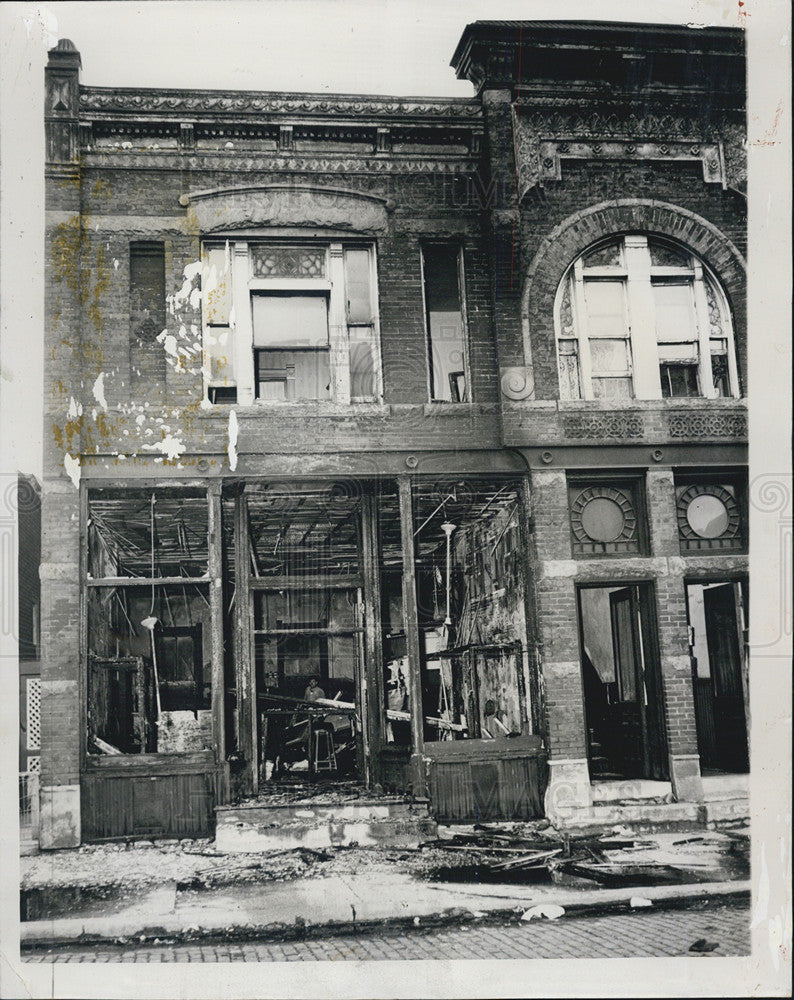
<point x="602" y="519"/>
<point x="707" y="516"/>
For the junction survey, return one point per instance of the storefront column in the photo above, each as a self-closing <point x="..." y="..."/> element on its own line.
<point x="372" y="708"/>
<point x="215" y="571"/>
<point x="411" y="622"/>
<point x="243" y="660"/>
<point x="558" y="617"/>
<point x="679" y="698"/>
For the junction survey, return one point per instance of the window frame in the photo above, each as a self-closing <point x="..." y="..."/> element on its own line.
<point x="464" y="324"/>
<point x="629" y="483"/>
<point x="244" y="286"/>
<point x="731" y="487"/>
<point x="639" y="277"/>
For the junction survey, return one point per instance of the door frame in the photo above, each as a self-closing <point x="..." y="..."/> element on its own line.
<point x="352" y="584"/>
<point x="741" y="581"/>
<point x="653" y="715"/>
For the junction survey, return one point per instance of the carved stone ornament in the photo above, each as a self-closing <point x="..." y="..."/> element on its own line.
<point x="542" y="135"/>
<point x="603" y="519"/>
<point x="708" y="517"/>
<point x="285" y="205"/>
<point x="707" y="425"/>
<point x="709" y="155"/>
<point x="598" y="426"/>
<point x="242" y="102"/>
<point x="518" y="382"/>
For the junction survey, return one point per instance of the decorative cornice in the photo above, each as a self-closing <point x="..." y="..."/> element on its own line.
<point x="223" y="103"/>
<point x="160" y="159"/>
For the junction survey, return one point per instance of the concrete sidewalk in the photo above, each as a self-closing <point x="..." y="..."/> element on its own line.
<point x="334" y="902"/>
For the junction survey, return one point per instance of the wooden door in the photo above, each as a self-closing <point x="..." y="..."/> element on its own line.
<point x="725" y="660"/>
<point x="639" y="743"/>
<point x="628" y="713"/>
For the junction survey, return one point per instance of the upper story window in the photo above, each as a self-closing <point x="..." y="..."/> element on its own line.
<point x="147" y="312"/>
<point x="290" y="322"/>
<point x="641" y="318"/>
<point x="446" y="341"/>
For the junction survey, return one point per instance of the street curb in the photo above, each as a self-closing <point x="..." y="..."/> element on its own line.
<point x="36" y="937"/>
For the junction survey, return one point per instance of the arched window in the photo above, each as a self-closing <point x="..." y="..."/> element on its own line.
<point x="642" y="318"/>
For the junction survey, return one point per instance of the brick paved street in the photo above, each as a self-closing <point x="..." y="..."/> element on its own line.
<point x="623" y="935"/>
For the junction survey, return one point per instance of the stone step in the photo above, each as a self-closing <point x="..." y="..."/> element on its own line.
<point x="640" y="817"/>
<point x="635" y="789"/>
<point x="725" y="786"/>
<point x="726" y="810"/>
<point x="378" y="822"/>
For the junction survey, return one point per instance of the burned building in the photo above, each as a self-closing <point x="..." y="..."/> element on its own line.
<point x="399" y="441"/>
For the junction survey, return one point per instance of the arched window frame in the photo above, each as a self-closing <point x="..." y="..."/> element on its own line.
<point x="643" y="365"/>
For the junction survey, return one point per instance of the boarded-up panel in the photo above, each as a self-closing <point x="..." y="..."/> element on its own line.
<point x="167" y="805"/>
<point x="473" y="781"/>
<point x="521" y="786"/>
<point x="451" y="793"/>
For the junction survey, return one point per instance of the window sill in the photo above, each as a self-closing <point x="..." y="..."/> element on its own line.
<point x="444" y="409"/>
<point x="675" y="403"/>
<point x="309" y="408"/>
<point x="198" y="760"/>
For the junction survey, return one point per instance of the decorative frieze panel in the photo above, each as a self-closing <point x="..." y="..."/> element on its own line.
<point x="684" y="425"/>
<point x="544" y="138"/>
<point x="458" y="167"/>
<point x="552" y="153"/>
<point x="600" y="426"/>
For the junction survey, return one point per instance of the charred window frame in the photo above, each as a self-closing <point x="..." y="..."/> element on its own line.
<point x="607" y="515"/>
<point x="146" y="621"/>
<point x="443" y="284"/>
<point x="711" y="512"/>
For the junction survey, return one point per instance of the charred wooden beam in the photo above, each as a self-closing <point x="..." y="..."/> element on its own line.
<point x="215" y="567"/>
<point x="411" y="622"/>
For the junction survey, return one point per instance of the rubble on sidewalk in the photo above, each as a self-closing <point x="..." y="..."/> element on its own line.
<point x="529" y="853"/>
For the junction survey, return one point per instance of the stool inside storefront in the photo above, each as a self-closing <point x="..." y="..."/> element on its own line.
<point x="324" y="754"/>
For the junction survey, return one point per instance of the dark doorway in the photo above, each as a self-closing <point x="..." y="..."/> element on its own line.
<point x="181" y="668"/>
<point x="622" y="683"/>
<point x="716" y="647"/>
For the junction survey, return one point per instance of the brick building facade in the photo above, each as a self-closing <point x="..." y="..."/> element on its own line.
<point x="397" y="440"/>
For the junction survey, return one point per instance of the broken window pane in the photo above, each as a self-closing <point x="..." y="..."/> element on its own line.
<point x="292" y="375"/>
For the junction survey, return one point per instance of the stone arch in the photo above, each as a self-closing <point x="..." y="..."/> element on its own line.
<point x="299" y="205"/>
<point x="610" y="218"/>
